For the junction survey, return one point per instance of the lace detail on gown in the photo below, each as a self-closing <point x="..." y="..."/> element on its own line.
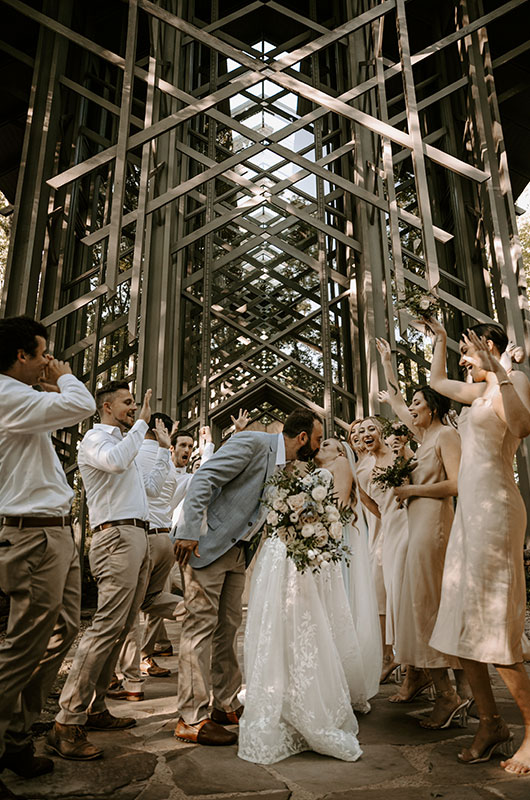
<point x="302" y="661"/>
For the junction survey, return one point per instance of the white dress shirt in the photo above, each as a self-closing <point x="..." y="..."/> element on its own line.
<point x="32" y="480"/>
<point x="184" y="480"/>
<point x="114" y="484"/>
<point x="172" y="493"/>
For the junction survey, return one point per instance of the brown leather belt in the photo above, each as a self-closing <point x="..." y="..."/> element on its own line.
<point x="159" y="530"/>
<point x="136" y="523"/>
<point x="37" y="522"/>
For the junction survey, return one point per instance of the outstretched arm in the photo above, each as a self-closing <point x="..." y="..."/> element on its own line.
<point x="455" y="390"/>
<point x="393" y="396"/>
<point x="512" y="404"/>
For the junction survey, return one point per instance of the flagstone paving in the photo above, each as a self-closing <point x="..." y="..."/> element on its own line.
<point x="401" y="760"/>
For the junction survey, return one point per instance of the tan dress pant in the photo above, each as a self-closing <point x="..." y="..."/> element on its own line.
<point x="157" y="603"/>
<point x="208" y="663"/>
<point x="155" y="632"/>
<point x="119" y="561"/>
<point x="40" y="573"/>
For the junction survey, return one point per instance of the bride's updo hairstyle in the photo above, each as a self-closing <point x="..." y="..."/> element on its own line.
<point x="495" y="333"/>
<point x="439" y="405"/>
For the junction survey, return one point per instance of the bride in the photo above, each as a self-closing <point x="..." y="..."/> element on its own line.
<point x="307" y="659"/>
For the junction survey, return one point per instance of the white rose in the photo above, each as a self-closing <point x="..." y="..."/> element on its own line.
<point x="296" y="501"/>
<point x="308" y="530"/>
<point x="332" y="513"/>
<point x="425" y="303"/>
<point x="321" y="539"/>
<point x="335" y="531"/>
<point x="307" y="480"/>
<point x="325" y="476"/>
<point x="311" y="554"/>
<point x="319" y="493"/>
<point x="272" y="518"/>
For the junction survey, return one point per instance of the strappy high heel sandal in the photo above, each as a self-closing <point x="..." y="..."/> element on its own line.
<point x="458" y="715"/>
<point x="504" y="747"/>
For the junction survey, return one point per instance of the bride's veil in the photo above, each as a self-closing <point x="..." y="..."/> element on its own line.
<point x="361" y="590"/>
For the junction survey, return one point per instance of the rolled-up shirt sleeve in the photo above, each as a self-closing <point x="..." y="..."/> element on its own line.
<point x="44" y="412"/>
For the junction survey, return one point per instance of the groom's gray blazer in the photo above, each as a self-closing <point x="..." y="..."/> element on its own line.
<point x="223" y="498"/>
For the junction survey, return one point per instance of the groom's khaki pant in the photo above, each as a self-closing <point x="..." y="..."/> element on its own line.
<point x="208" y="661"/>
<point x="119" y="562"/>
<point x="40" y="573"/>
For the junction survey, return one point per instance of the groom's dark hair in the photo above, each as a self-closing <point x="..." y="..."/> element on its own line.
<point x="301" y="419"/>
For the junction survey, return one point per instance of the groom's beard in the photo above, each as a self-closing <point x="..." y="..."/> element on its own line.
<point x="306" y="452"/>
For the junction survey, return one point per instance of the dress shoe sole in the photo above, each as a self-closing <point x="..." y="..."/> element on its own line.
<point x="51" y="749"/>
<point x="156" y="674"/>
<point x="90" y="727"/>
<point x="205" y="744"/>
<point x="130" y="696"/>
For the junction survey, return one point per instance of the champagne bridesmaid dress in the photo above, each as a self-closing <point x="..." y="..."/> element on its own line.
<point x="430" y="521"/>
<point x="482" y="609"/>
<point x="375" y="542"/>
<point x="393" y="537"/>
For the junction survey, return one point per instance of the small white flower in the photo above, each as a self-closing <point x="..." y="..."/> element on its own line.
<point x="321" y="539"/>
<point x="294" y="517"/>
<point x="335" y="531"/>
<point x="272" y="518"/>
<point x="319" y="493"/>
<point x="307" y="530"/>
<point x="425" y="303"/>
<point x="307" y="480"/>
<point x="311" y="554"/>
<point x="332" y="513"/>
<point x="296" y="501"/>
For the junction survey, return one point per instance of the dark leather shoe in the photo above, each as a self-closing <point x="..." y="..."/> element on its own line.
<point x="105" y="721"/>
<point x="25" y="763"/>
<point x="119" y="693"/>
<point x="166" y="652"/>
<point x="70" y="742"/>
<point x="6" y="794"/>
<point x="148" y="666"/>
<point x="227" y="717"/>
<point x="205" y="732"/>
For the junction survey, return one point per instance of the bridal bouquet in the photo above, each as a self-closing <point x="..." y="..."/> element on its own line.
<point x="419" y="303"/>
<point x="395" y="475"/>
<point x="305" y="515"/>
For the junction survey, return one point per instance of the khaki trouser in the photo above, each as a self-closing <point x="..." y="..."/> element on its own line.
<point x="119" y="561"/>
<point x="158" y="603"/>
<point x="208" y="657"/>
<point x="40" y="573"/>
<point x="155" y="632"/>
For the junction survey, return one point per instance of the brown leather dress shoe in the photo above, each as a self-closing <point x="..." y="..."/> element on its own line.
<point x="7" y="794"/>
<point x="148" y="666"/>
<point x="70" y="742"/>
<point x="119" y="693"/>
<point x="227" y="717"/>
<point x="25" y="763"/>
<point x="105" y="721"/>
<point x="165" y="652"/>
<point x="205" y="732"/>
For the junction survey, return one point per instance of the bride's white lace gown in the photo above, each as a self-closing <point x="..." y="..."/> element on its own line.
<point x="306" y="665"/>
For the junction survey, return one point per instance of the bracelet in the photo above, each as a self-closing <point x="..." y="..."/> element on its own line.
<point x="505" y="381"/>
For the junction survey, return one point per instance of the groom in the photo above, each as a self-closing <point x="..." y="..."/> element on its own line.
<point x="223" y="508"/>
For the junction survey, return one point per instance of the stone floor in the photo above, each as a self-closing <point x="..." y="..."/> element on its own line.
<point x="401" y="761"/>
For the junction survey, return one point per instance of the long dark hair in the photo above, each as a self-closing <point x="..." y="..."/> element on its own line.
<point x="493" y="332"/>
<point x="438" y="404"/>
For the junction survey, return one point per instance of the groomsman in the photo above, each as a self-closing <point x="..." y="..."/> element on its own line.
<point x="119" y="560"/>
<point x="222" y="514"/>
<point x="39" y="562"/>
<point x="158" y="604"/>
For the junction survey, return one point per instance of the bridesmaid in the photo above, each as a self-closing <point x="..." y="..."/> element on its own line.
<point x="430" y="516"/>
<point x="393" y="542"/>
<point x="482" y="608"/>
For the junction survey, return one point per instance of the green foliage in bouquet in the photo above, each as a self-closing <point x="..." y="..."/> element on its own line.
<point x="420" y="304"/>
<point x="304" y="513"/>
<point x="395" y="475"/>
<point x="394" y="427"/>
